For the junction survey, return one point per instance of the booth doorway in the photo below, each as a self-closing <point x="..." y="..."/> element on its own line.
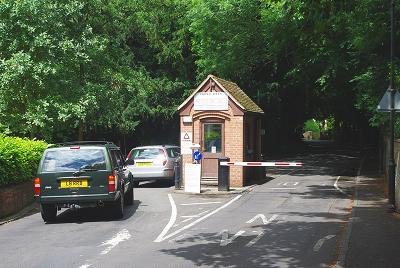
<point x="212" y="141"/>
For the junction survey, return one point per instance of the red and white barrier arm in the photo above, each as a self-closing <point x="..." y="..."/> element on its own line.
<point x="262" y="164"/>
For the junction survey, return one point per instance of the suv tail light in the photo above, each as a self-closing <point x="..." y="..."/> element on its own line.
<point x="36" y="188"/>
<point x="111" y="183"/>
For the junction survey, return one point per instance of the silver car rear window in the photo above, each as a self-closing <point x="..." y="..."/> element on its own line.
<point x="74" y="160"/>
<point x="146" y="153"/>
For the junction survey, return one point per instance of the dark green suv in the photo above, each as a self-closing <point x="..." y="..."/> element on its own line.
<point x="83" y="174"/>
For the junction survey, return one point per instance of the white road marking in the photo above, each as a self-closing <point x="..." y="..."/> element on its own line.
<point x="205" y="203"/>
<point x="283" y="188"/>
<point x="337" y="187"/>
<point x="263" y="218"/>
<point x="285" y="184"/>
<point x="195" y="216"/>
<point x="320" y="242"/>
<point x="171" y="222"/>
<point x="162" y="238"/>
<point x="121" y="236"/>
<point x="294" y="184"/>
<point x="225" y="240"/>
<point x="85" y="266"/>
<point x="254" y="240"/>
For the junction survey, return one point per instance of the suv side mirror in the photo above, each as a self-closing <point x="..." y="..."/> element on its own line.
<point x="130" y="161"/>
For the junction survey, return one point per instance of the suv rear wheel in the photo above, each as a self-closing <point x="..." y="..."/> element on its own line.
<point x="129" y="197"/>
<point x="118" y="207"/>
<point x="49" y="212"/>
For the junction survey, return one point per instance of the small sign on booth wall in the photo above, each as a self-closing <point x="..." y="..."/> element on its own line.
<point x="186" y="142"/>
<point x="192" y="178"/>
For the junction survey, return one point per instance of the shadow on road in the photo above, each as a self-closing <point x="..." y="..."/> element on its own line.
<point x="93" y="214"/>
<point x="287" y="243"/>
<point x="156" y="184"/>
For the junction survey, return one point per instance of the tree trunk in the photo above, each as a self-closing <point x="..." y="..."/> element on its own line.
<point x="81" y="131"/>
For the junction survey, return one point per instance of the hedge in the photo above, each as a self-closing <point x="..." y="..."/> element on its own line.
<point x="19" y="159"/>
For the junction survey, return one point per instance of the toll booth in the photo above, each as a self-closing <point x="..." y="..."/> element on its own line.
<point x="220" y="117"/>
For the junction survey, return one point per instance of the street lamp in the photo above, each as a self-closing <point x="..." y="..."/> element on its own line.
<point x="390" y="102"/>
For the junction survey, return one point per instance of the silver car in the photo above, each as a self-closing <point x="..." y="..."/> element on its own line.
<point x="154" y="162"/>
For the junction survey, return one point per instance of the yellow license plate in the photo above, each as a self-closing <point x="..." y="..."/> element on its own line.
<point x="144" y="164"/>
<point x="74" y="184"/>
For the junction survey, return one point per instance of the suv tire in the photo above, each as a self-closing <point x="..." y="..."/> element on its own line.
<point x="129" y="197"/>
<point x="118" y="207"/>
<point x="49" y="212"/>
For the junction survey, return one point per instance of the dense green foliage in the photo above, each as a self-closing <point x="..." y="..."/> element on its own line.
<point x="19" y="159"/>
<point x="313" y="126"/>
<point x="116" y="69"/>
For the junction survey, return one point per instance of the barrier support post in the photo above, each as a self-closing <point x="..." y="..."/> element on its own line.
<point x="223" y="175"/>
<point x="177" y="173"/>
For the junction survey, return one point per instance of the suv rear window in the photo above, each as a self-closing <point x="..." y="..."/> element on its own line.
<point x="146" y="153"/>
<point x="74" y="160"/>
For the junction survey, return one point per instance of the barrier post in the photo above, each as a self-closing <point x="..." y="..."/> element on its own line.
<point x="177" y="173"/>
<point x="223" y="175"/>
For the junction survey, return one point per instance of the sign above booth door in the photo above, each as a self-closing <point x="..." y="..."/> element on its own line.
<point x="211" y="101"/>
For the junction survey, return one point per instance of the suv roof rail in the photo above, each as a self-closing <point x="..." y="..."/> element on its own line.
<point x="84" y="143"/>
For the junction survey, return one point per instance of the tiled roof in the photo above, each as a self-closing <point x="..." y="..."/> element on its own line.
<point x="234" y="90"/>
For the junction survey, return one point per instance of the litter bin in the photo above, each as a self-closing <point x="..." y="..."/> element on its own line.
<point x="223" y="175"/>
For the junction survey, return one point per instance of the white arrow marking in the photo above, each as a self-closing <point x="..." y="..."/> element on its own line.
<point x="161" y="237"/>
<point x="254" y="240"/>
<point x="320" y="242"/>
<point x="171" y="222"/>
<point x="113" y="242"/>
<point x="225" y="240"/>
<point x="294" y="184"/>
<point x="263" y="218"/>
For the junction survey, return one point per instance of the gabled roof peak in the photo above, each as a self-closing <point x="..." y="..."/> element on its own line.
<point x="234" y="92"/>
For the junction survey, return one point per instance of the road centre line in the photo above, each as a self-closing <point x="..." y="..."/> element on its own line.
<point x="171" y="222"/>
<point x="161" y="238"/>
<point x="205" y="203"/>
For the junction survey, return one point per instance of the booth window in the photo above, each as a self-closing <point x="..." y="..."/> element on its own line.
<point x="212" y="138"/>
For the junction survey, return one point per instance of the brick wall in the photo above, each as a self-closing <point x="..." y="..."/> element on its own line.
<point x="16" y="197"/>
<point x="234" y="148"/>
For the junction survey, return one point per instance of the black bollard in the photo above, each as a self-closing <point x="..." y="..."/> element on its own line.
<point x="177" y="173"/>
<point x="223" y="175"/>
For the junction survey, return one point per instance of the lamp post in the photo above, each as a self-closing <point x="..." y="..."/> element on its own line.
<point x="390" y="102"/>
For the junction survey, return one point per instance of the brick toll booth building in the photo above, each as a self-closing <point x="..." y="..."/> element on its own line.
<point x="225" y="122"/>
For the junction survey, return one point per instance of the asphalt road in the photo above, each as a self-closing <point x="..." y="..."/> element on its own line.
<point x="296" y="217"/>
